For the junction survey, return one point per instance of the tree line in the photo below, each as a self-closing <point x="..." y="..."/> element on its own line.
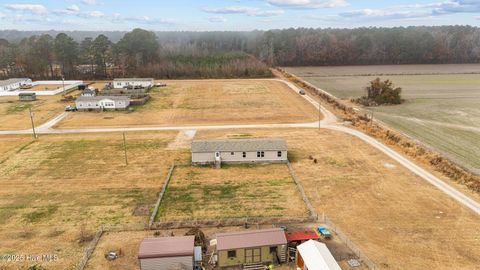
<point x="230" y="54"/>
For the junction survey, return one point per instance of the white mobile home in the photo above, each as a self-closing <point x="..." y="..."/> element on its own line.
<point x="14" y="84"/>
<point x="102" y="103"/>
<point x="239" y="151"/>
<point x="166" y="253"/>
<point x="127" y="82"/>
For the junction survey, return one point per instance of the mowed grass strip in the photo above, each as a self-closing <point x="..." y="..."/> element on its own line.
<point x="235" y="191"/>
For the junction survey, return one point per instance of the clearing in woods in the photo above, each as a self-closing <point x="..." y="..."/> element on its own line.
<point x="234" y="191"/>
<point x="14" y="114"/>
<point x="396" y="218"/>
<point x="441" y="107"/>
<point x="206" y="102"/>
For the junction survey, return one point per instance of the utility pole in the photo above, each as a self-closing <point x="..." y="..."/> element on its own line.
<point x="63" y="83"/>
<point x="125" y="149"/>
<point x="33" y="125"/>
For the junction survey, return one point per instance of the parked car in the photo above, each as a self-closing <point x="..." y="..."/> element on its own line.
<point x="70" y="108"/>
<point x="324" y="232"/>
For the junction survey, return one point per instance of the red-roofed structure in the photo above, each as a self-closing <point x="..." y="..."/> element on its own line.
<point x="301" y="236"/>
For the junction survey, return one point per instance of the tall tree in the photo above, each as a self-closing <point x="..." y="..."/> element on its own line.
<point x="140" y="47"/>
<point x="102" y="47"/>
<point x="66" y="51"/>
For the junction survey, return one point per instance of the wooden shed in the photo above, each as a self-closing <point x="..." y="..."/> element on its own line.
<point x="251" y="247"/>
<point x="166" y="253"/>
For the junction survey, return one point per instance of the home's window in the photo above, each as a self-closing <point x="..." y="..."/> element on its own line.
<point x="279" y="154"/>
<point x="244" y="154"/>
<point x="232" y="254"/>
<point x="232" y="153"/>
<point x="273" y="249"/>
<point x="262" y="154"/>
<point x="258" y="154"/>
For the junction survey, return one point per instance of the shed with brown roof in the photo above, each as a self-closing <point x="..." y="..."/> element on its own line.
<point x="251" y="247"/>
<point x="165" y="253"/>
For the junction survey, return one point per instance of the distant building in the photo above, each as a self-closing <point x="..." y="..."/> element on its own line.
<point x="27" y="96"/>
<point x="167" y="253"/>
<point x="313" y="255"/>
<point x="251" y="247"/>
<point x="102" y="103"/>
<point x="88" y="93"/>
<point x="239" y="151"/>
<point x="14" y="84"/>
<point x="132" y="82"/>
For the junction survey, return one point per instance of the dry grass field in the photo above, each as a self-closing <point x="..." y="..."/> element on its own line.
<point x="54" y="186"/>
<point x="441" y="111"/>
<point x="14" y="113"/>
<point x="395" y="217"/>
<point x="235" y="191"/>
<point x="206" y="102"/>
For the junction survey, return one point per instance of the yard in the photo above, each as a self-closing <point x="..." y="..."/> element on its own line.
<point x="206" y="102"/>
<point x="395" y="217"/>
<point x="235" y="191"/>
<point x="441" y="108"/>
<point x="54" y="186"/>
<point x="14" y="114"/>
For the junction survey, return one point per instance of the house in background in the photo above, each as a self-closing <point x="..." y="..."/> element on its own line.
<point x="133" y="82"/>
<point x="249" y="248"/>
<point x="239" y="151"/>
<point x="167" y="253"/>
<point x="102" y="103"/>
<point x="27" y="96"/>
<point x="14" y="84"/>
<point x="88" y="93"/>
<point x="313" y="255"/>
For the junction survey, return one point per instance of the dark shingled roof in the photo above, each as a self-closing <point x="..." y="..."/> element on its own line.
<point x="161" y="247"/>
<point x="249" y="239"/>
<point x="205" y="146"/>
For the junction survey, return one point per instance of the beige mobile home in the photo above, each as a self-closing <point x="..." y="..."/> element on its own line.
<point x="166" y="253"/>
<point x="251" y="247"/>
<point x="239" y="151"/>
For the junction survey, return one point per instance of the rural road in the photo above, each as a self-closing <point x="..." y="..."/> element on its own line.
<point x="328" y="122"/>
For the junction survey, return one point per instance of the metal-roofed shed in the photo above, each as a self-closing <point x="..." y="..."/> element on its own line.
<point x="313" y="255"/>
<point x="163" y="253"/>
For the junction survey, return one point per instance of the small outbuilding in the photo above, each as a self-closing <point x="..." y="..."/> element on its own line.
<point x="313" y="255"/>
<point x="167" y="253"/>
<point x="27" y="96"/>
<point x="239" y="151"/>
<point x="102" y="103"/>
<point x="251" y="247"/>
<point x="133" y="82"/>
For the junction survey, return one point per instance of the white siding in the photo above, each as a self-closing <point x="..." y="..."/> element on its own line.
<point x="121" y="84"/>
<point x="237" y="157"/>
<point x="167" y="263"/>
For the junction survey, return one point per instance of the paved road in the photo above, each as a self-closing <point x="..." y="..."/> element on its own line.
<point x="328" y="122"/>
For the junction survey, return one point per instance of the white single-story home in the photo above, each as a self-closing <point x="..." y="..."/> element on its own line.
<point x="167" y="253"/>
<point x="102" y="102"/>
<point x="239" y="151"/>
<point x="126" y="82"/>
<point x="14" y="84"/>
<point x="313" y="255"/>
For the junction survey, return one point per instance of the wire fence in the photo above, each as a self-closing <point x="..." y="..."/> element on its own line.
<point x="343" y="237"/>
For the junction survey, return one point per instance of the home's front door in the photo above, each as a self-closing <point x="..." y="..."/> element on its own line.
<point x="253" y="255"/>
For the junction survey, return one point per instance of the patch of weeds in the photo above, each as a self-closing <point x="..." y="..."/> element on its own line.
<point x="292" y="156"/>
<point x="143" y="144"/>
<point x="56" y="233"/>
<point x="6" y="214"/>
<point x="241" y="136"/>
<point x="222" y="191"/>
<point x="244" y="166"/>
<point x="277" y="182"/>
<point x="38" y="215"/>
<point x="336" y="163"/>
<point x="19" y="107"/>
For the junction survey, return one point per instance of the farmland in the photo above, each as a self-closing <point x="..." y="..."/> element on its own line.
<point x="206" y="102"/>
<point x="14" y="114"/>
<point x="441" y="107"/>
<point x="54" y="186"/>
<point x="235" y="191"/>
<point x="395" y="217"/>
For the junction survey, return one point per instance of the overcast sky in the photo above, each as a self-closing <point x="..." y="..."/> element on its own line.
<point x="198" y="15"/>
